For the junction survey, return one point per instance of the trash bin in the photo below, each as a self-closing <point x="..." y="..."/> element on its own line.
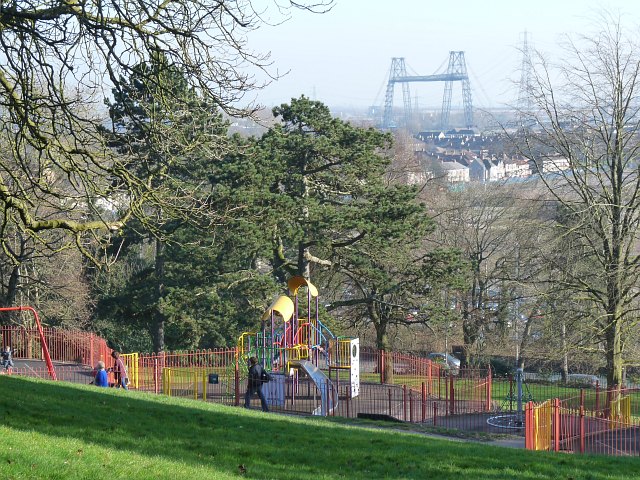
<point x="213" y="378"/>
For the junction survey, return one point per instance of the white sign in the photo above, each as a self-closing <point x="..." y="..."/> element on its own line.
<point x="355" y="367"/>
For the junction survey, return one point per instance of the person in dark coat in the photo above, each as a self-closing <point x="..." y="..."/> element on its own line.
<point x="254" y="384"/>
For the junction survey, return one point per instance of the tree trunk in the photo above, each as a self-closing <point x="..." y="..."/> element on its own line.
<point x="613" y="318"/>
<point x="469" y="333"/>
<point x="565" y="354"/>
<point x="382" y="342"/>
<point x="12" y="288"/>
<point x="159" y="317"/>
<point x="613" y="347"/>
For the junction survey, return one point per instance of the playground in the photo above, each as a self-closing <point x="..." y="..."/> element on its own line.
<point x="315" y="372"/>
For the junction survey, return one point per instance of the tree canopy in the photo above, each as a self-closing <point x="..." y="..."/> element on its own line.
<point x="586" y="113"/>
<point x="60" y="60"/>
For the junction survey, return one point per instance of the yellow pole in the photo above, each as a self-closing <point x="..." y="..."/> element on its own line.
<point x="167" y="379"/>
<point x="195" y="384"/>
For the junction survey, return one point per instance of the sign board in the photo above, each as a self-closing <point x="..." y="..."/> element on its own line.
<point x="355" y="367"/>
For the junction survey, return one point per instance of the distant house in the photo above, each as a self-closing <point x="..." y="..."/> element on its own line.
<point x="430" y="135"/>
<point x="550" y="163"/>
<point x="516" y="167"/>
<point x="456" y="172"/>
<point x="418" y="177"/>
<point x="487" y="169"/>
<point x="460" y="133"/>
<point x="555" y="163"/>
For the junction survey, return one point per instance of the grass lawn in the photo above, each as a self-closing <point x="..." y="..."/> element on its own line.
<point x="56" y="430"/>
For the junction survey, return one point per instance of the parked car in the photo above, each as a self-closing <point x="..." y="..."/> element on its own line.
<point x="448" y="361"/>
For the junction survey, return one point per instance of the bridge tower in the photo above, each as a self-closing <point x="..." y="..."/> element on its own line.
<point x="456" y="72"/>
<point x="398" y="70"/>
<point x="457" y="69"/>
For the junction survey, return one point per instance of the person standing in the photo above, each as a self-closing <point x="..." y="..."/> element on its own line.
<point x="101" y="379"/>
<point x="120" y="371"/>
<point x="257" y="376"/>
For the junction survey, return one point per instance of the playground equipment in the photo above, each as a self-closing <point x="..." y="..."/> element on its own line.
<point x="513" y="421"/>
<point x="43" y="340"/>
<point x="293" y="339"/>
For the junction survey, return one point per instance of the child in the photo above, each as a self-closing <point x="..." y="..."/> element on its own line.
<point x="101" y="375"/>
<point x="7" y="360"/>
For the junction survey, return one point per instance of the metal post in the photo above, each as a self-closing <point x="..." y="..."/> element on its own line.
<point x="452" y="396"/>
<point x="410" y="405"/>
<point x="404" y="402"/>
<point x="556" y="424"/>
<point x="155" y="376"/>
<point x="435" y="413"/>
<point x="348" y="392"/>
<point x="488" y="397"/>
<point x="237" y="381"/>
<point x="424" y="402"/>
<point x="91" y="355"/>
<point x="581" y="420"/>
<point x="528" y="425"/>
<point x="519" y="375"/>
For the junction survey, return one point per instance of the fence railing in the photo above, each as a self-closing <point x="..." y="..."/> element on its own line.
<point x="600" y="422"/>
<point x="71" y="346"/>
<point x="394" y="385"/>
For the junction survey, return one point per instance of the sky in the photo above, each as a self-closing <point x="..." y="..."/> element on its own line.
<point x="343" y="57"/>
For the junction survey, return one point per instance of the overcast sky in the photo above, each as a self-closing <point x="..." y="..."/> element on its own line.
<point x="343" y="57"/>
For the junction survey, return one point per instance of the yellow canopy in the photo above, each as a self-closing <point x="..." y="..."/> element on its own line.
<point x="295" y="283"/>
<point x="283" y="306"/>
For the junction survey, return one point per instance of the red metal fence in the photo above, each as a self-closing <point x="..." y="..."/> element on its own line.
<point x="72" y="346"/>
<point x="600" y="422"/>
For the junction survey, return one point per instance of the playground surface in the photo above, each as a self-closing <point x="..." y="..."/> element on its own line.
<point x="65" y="371"/>
<point x="600" y="437"/>
<point x="483" y="422"/>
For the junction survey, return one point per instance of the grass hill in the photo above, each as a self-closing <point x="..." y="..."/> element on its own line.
<point x="56" y="430"/>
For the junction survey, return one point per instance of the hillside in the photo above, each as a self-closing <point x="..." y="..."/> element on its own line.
<point x="67" y="431"/>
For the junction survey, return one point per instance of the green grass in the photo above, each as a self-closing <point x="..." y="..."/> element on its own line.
<point x="55" y="430"/>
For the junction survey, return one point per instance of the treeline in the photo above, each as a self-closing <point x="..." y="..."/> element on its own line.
<point x="153" y="226"/>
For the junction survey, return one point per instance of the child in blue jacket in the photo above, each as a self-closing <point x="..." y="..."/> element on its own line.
<point x="101" y="379"/>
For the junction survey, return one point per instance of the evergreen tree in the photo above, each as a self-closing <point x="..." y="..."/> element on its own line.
<point x="177" y="169"/>
<point x="318" y="188"/>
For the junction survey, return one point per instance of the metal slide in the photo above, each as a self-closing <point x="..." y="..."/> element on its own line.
<point x="327" y="402"/>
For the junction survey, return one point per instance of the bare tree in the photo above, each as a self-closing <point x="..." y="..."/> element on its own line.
<point x="59" y="59"/>
<point x="495" y="226"/>
<point x="586" y="145"/>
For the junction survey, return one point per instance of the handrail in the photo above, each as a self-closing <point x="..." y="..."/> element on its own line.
<point x="43" y="341"/>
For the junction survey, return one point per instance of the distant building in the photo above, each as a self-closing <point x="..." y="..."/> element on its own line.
<point x="487" y="169"/>
<point x="555" y="163"/>
<point x="430" y="135"/>
<point x="550" y="164"/>
<point x="456" y="172"/>
<point x="516" y="167"/>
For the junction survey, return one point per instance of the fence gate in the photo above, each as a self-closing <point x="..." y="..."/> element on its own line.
<point x="538" y="426"/>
